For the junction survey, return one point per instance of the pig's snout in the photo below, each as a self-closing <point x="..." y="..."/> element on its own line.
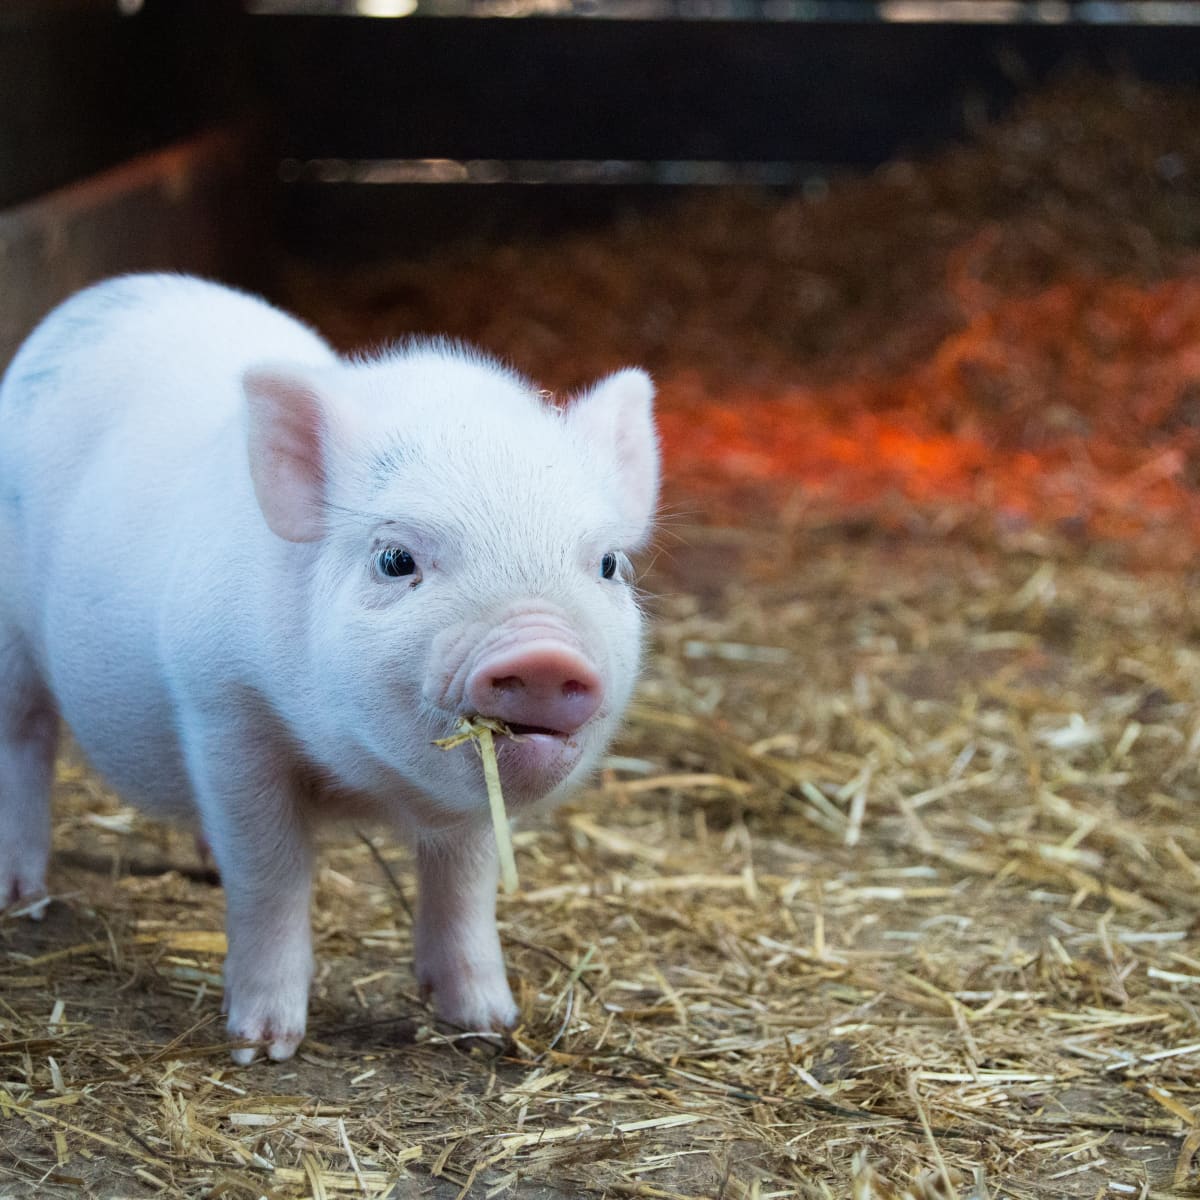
<point x="542" y="688"/>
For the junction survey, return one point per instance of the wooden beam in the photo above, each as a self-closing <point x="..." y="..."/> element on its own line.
<point x="189" y="207"/>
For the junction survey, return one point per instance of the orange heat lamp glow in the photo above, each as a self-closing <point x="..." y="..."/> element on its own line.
<point x="1075" y="407"/>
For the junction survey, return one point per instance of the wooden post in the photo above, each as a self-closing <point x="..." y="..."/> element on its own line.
<point x="190" y="207"/>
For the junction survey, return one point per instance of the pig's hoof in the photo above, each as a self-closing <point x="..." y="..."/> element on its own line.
<point x="23" y="890"/>
<point x="280" y="1042"/>
<point x="275" y="1022"/>
<point x="478" y="1004"/>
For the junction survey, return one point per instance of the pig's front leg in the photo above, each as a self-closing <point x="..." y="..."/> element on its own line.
<point x="457" y="949"/>
<point x="256" y="828"/>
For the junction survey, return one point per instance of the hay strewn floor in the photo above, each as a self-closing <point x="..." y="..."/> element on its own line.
<point x="893" y="885"/>
<point x="897" y="872"/>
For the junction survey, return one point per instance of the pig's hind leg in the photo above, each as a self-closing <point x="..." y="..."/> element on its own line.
<point x="28" y="743"/>
<point x="457" y="949"/>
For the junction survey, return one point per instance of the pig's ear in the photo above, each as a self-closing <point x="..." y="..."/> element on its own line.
<point x="287" y="435"/>
<point x="616" y="416"/>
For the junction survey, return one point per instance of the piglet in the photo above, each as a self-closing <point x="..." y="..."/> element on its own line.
<point x="258" y="580"/>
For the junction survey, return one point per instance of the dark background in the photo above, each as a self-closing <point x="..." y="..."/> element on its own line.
<point x="86" y="84"/>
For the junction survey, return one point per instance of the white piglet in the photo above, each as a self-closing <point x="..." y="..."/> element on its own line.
<point x="257" y="581"/>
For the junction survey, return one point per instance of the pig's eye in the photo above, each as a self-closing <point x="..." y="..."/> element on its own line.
<point x="394" y="562"/>
<point x="608" y="566"/>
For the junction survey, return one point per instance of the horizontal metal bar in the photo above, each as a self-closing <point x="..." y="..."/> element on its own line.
<point x="610" y="172"/>
<point x="1140" y="13"/>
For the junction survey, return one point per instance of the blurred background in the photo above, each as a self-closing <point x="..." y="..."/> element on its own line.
<point x="885" y="255"/>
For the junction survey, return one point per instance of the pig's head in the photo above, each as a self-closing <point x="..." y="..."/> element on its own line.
<point x="463" y="544"/>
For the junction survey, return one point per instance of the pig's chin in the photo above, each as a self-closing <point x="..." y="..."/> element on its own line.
<point x="536" y="762"/>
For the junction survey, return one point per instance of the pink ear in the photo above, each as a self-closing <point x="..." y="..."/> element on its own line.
<point x="287" y="431"/>
<point x="617" y="417"/>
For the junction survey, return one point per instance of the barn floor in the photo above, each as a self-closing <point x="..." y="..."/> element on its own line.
<point x="892" y="885"/>
<point x="896" y="869"/>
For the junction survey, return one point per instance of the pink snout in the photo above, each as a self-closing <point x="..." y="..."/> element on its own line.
<point x="545" y="687"/>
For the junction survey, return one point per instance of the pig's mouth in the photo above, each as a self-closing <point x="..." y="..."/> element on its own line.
<point x="536" y="730"/>
<point x="535" y="759"/>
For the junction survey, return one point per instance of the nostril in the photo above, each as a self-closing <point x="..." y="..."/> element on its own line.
<point x="573" y="688"/>
<point x="508" y="683"/>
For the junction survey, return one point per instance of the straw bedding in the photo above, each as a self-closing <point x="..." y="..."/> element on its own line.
<point x="892" y="885"/>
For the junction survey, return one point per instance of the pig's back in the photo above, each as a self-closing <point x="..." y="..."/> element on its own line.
<point x="126" y="389"/>
<point x="121" y="444"/>
<point x="144" y="353"/>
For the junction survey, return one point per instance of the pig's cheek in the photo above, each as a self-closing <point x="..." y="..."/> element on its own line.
<point x="446" y="665"/>
<point x="624" y="638"/>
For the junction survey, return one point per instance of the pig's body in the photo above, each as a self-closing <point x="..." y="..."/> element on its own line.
<point x="256" y="595"/>
<point x="124" y="476"/>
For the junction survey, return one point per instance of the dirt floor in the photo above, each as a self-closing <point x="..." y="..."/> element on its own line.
<point x="892" y="884"/>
